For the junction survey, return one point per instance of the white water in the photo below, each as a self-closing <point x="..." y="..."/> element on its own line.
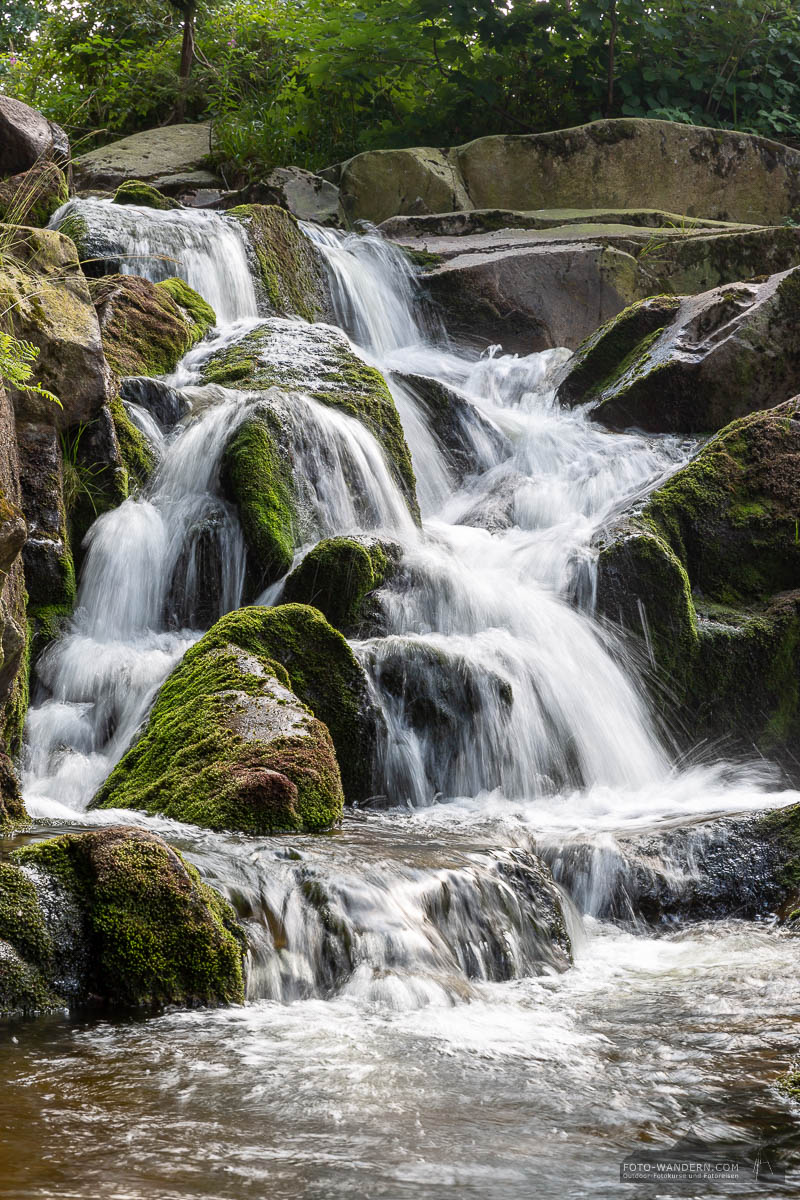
<point x="432" y="1042"/>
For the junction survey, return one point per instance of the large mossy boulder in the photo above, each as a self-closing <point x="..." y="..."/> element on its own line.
<point x="724" y="175"/>
<point x="338" y="576"/>
<point x="229" y="745"/>
<point x="32" y="197"/>
<point x="152" y="156"/>
<point x="290" y="269"/>
<point x="48" y="303"/>
<point x="148" y="327"/>
<point x="113" y="917"/>
<point x="707" y="574"/>
<point x="695" y="366"/>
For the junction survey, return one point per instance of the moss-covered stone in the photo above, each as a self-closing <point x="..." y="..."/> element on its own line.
<point x="134" y="191"/>
<point x="257" y="477"/>
<point x="708" y="574"/>
<point x="290" y="269"/>
<point x="337" y="576"/>
<point x="719" y="356"/>
<point x="318" y="361"/>
<point x="145" y="329"/>
<point x="12" y="808"/>
<point x="156" y="933"/>
<point x="137" y="453"/>
<point x="228" y="745"/>
<point x="32" y="197"/>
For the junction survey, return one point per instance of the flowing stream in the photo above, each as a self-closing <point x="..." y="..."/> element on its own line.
<point x="413" y="1025"/>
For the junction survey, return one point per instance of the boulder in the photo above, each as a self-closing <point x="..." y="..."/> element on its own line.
<point x="28" y="138"/>
<point x="307" y="197"/>
<point x="46" y="555"/>
<point x="135" y="191"/>
<point x="702" y="363"/>
<point x="165" y="404"/>
<point x="468" y="440"/>
<point x="32" y="197"/>
<point x="338" y="576"/>
<point x="228" y="744"/>
<point x="710" y="173"/>
<point x="152" y="156"/>
<point x="113" y="917"/>
<point x="381" y="183"/>
<point x="148" y="327"/>
<point x="291" y="272"/>
<point x="49" y="304"/>
<point x="707" y="574"/>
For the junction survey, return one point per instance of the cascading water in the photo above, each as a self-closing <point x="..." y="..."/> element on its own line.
<point x="423" y="950"/>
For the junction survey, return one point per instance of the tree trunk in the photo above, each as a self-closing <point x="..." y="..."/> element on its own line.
<point x="187" y="56"/>
<point x="612" y="38"/>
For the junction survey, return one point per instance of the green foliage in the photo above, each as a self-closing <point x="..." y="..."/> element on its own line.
<point x="317" y="81"/>
<point x="17" y="358"/>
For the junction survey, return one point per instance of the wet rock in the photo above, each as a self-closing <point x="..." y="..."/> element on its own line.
<point x="338" y="577"/>
<point x="164" y="403"/>
<point x="143" y="930"/>
<point x="32" y="197"/>
<point x="148" y="327"/>
<point x="291" y="272"/>
<point x="228" y="744"/>
<point x="715" y="357"/>
<point x="195" y="599"/>
<point x="28" y="138"/>
<point x="469" y="441"/>
<point x="149" y="156"/>
<point x="707" y="573"/>
<point x="49" y="305"/>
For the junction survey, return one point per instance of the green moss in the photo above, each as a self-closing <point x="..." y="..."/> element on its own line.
<point x="291" y="271"/>
<point x="256" y="477"/>
<point x="336" y="576"/>
<point x="616" y="349"/>
<point x="322" y="671"/>
<point x="198" y="313"/>
<point x="46" y="622"/>
<point x="23" y="987"/>
<point x="16" y="710"/>
<point x="145" y="330"/>
<point x="22" y="922"/>
<point x="157" y="934"/>
<point x="137" y="453"/>
<point x="218" y="750"/>
<point x="134" y="191"/>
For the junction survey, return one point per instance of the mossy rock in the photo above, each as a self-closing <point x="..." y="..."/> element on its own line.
<point x="718" y="356"/>
<point x="290" y="269"/>
<point x="137" y="454"/>
<point x="32" y="197"/>
<point x="256" y="476"/>
<point x="317" y="361"/>
<point x="707" y="574"/>
<point x="156" y="933"/>
<point x="337" y="577"/>
<point x="134" y="191"/>
<point x="148" y="327"/>
<point x="228" y="744"/>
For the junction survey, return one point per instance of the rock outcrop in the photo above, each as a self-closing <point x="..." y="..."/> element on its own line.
<point x="692" y="367"/>
<point x="709" y="173"/>
<point x="707" y="574"/>
<point x="117" y="918"/>
<point x="306" y="196"/>
<point x="291" y="272"/>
